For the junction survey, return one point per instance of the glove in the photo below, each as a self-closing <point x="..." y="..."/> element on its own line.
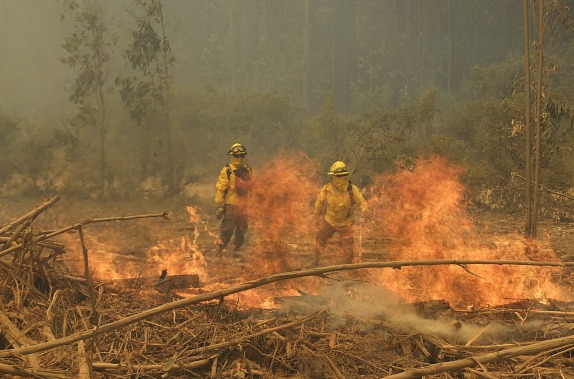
<point x="219" y="211"/>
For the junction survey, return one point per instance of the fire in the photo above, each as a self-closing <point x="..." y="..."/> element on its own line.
<point x="422" y="212"/>
<point x="414" y="214"/>
<point x="281" y="211"/>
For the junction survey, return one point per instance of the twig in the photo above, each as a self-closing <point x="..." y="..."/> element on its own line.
<point x="485" y="358"/>
<point x="50" y="234"/>
<point x="31" y="373"/>
<point x="260" y="283"/>
<point x="478" y="335"/>
<point x="17" y="338"/>
<point x="16" y="234"/>
<point x="88" y="276"/>
<point x="158" y="367"/>
<point x="163" y="215"/>
<point x="237" y="341"/>
<point x="546" y="189"/>
<point x="30" y="215"/>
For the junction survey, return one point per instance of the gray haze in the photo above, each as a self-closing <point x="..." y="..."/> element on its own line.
<point x="32" y="77"/>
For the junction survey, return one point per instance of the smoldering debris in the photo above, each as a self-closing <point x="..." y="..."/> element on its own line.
<point x="57" y="324"/>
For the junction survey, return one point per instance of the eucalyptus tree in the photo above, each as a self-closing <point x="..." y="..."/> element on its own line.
<point x="147" y="91"/>
<point x="551" y="19"/>
<point x="88" y="51"/>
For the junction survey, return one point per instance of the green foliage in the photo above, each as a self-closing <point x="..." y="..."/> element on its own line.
<point x="496" y="80"/>
<point x="483" y="127"/>
<point x="146" y="94"/>
<point x="326" y="133"/>
<point x="371" y="143"/>
<point x="212" y="120"/>
<point x="88" y="53"/>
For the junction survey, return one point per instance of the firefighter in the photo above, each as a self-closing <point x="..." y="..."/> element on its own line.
<point x="336" y="205"/>
<point x="233" y="188"/>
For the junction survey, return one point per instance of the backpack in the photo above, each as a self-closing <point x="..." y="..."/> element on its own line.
<point x="243" y="179"/>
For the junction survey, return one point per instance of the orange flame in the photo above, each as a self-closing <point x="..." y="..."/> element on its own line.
<point x="281" y="210"/>
<point x="413" y="215"/>
<point x="423" y="214"/>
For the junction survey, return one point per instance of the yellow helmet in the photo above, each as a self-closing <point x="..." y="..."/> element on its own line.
<point x="237" y="150"/>
<point x="339" y="169"/>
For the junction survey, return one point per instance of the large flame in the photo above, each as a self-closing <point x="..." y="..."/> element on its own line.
<point x="422" y="212"/>
<point x="413" y="215"/>
<point x="281" y="211"/>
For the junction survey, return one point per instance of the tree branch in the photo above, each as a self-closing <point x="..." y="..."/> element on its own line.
<point x="259" y="283"/>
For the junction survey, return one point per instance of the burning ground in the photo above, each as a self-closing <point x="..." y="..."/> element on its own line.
<point x="160" y="303"/>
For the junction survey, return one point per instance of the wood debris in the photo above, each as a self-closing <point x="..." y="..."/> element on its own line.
<point x="56" y="324"/>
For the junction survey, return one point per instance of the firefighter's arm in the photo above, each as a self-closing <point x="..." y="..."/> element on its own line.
<point x="320" y="202"/>
<point x="221" y="187"/>
<point x="360" y="199"/>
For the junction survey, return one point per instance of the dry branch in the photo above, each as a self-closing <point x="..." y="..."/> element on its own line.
<point x="255" y="284"/>
<point x="51" y="234"/>
<point x="485" y="358"/>
<point x="31" y="373"/>
<point x="30" y="215"/>
<point x="254" y="335"/>
<point x="159" y="367"/>
<point x="46" y="235"/>
<point x="17" y="338"/>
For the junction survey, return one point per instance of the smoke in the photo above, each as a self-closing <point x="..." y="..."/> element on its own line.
<point x="375" y="306"/>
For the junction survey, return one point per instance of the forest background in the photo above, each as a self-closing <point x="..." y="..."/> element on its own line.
<point x="126" y="99"/>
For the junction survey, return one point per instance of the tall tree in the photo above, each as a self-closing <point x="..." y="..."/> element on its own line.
<point x="527" y="132"/>
<point x="88" y="52"/>
<point x="147" y="92"/>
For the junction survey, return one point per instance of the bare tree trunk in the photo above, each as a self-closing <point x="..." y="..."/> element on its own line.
<point x="306" y="56"/>
<point x="232" y="31"/>
<point x="527" y="133"/>
<point x="449" y="73"/>
<point x="538" y="115"/>
<point x="172" y="178"/>
<point x="333" y="37"/>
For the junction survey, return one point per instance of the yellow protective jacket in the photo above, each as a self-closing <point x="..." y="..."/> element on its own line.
<point x="225" y="187"/>
<point x="336" y="206"/>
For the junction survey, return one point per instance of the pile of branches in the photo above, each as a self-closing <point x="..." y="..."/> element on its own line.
<point x="56" y="324"/>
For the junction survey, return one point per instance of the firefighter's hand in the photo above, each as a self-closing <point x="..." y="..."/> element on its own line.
<point x="219" y="212"/>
